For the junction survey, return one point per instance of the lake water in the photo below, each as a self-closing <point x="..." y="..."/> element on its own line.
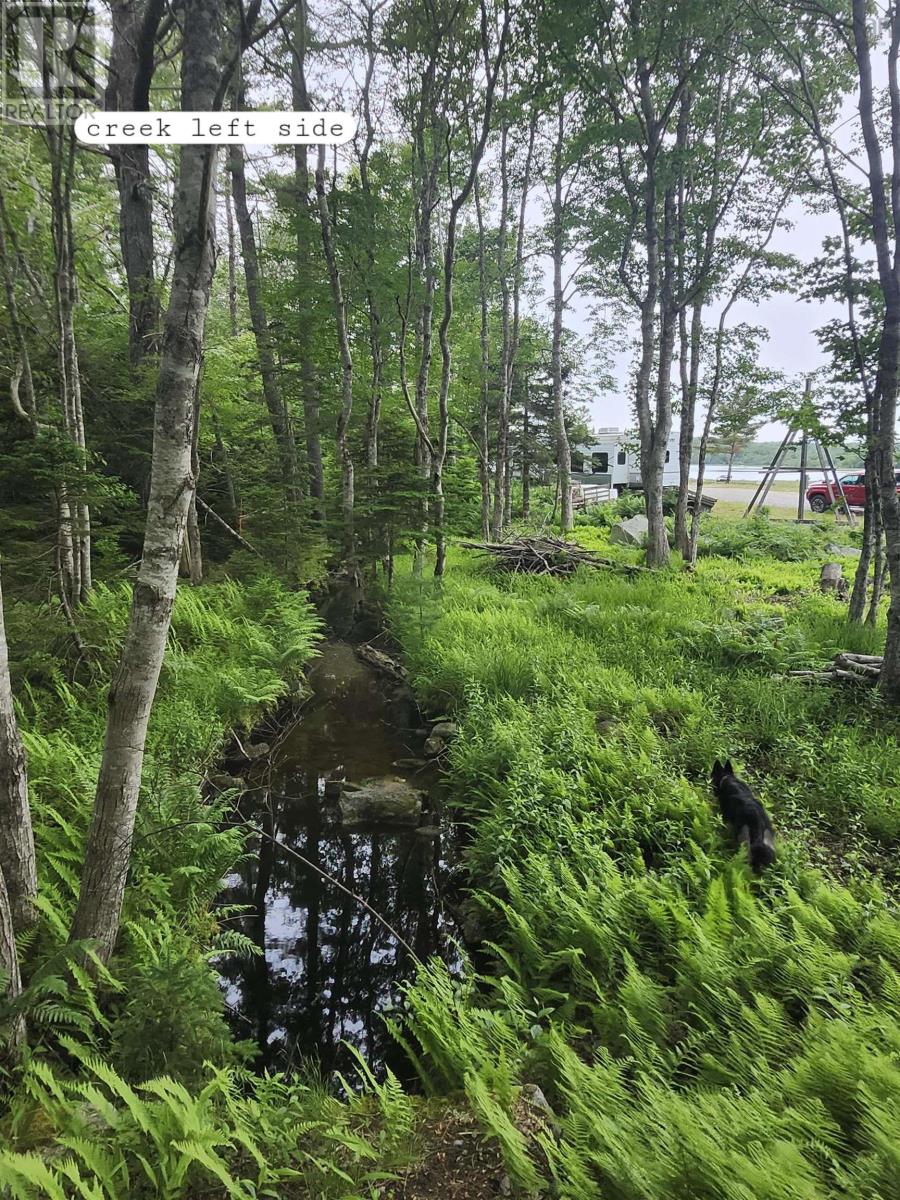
<point x="754" y="474"/>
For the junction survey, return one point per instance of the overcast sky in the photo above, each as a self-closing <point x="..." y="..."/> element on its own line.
<point x="792" y="346"/>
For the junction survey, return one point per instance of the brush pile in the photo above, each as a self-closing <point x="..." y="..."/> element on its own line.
<point x="847" y="667"/>
<point x="543" y="555"/>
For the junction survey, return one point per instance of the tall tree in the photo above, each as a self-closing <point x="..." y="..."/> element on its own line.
<point x="558" y="247"/>
<point x="340" y="317"/>
<point x="279" y="418"/>
<point x="309" y="386"/>
<point x="136" y="28"/>
<point x="17" y="861"/>
<point x="133" y="688"/>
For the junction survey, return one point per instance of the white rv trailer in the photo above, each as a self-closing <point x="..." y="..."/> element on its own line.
<point x="611" y="460"/>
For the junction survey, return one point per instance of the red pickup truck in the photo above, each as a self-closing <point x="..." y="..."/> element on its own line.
<point x="822" y="495"/>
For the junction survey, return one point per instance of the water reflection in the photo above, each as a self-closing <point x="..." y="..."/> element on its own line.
<point x="329" y="968"/>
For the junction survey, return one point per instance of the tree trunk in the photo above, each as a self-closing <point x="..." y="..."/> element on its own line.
<point x="133" y="688"/>
<point x="233" y="324"/>
<point x="871" y="531"/>
<point x="886" y="233"/>
<point x="308" y="384"/>
<point x="526" y="461"/>
<point x="75" y="532"/>
<point x="340" y="317"/>
<point x="561" y="437"/>
<point x="505" y="337"/>
<point x="879" y="577"/>
<point x="192" y="527"/>
<point x="16" y="838"/>
<point x="9" y="965"/>
<point x="686" y="431"/>
<point x="278" y="415"/>
<point x="21" y="389"/>
<point x="654" y="456"/>
<point x="373" y="417"/>
<point x="484" y="409"/>
<point x="134" y="27"/>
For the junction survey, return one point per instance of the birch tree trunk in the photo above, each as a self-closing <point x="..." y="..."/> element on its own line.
<point x="561" y="437"/>
<point x="484" y="453"/>
<point x="133" y="688"/>
<point x="74" y="514"/>
<point x="278" y="415"/>
<point x="17" y="861"/>
<point x="456" y="205"/>
<point x="373" y="308"/>
<point x="308" y="383"/>
<point x="192" y="527"/>
<point x="340" y="316"/>
<point x="505" y="334"/>
<point x="690" y="359"/>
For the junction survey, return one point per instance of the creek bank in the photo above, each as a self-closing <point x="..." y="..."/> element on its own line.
<point x="350" y="809"/>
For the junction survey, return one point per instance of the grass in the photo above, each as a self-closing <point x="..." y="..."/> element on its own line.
<point x="700" y="1033"/>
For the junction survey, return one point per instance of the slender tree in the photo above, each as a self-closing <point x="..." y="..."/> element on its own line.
<point x="133" y="688"/>
<point x="17" y="861"/>
<point x="279" y="418"/>
<point x="348" y="496"/>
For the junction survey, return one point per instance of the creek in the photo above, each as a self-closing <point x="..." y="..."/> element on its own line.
<point x="328" y="969"/>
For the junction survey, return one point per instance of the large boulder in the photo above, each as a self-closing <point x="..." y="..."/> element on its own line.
<point x="632" y="532"/>
<point x="387" y="801"/>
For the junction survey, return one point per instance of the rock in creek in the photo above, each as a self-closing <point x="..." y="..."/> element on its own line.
<point x="381" y="662"/>
<point x="257" y="751"/>
<point x="387" y="801"/>
<point x="444" y="729"/>
<point x="434" y="746"/>
<point x="227" y="783"/>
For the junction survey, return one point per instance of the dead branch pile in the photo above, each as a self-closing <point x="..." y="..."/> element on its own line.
<point x="544" y="555"/>
<point x="853" y="668"/>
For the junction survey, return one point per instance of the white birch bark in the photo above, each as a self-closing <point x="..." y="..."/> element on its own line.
<point x="133" y="688"/>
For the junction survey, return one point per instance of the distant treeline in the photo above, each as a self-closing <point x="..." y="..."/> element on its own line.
<point x="760" y="454"/>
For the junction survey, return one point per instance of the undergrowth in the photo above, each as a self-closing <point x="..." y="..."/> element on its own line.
<point x="700" y="1033"/>
<point x="133" y="1084"/>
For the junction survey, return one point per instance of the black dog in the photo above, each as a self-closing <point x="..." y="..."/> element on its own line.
<point x="746" y="816"/>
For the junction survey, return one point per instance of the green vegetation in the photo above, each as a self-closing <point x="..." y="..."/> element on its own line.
<point x="759" y="454"/>
<point x="700" y="1033"/>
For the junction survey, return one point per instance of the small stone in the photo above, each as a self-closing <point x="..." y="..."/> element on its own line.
<point x="434" y="746"/>
<point x="606" y="728"/>
<point x="257" y="751"/>
<point x="445" y="729"/>
<point x="470" y="923"/>
<point x="227" y="783"/>
<point x="533" y="1095"/>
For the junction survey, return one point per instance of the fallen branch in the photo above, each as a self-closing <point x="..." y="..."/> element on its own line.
<point x="545" y="555"/>
<point x="852" y="668"/>
<point x="239" y="538"/>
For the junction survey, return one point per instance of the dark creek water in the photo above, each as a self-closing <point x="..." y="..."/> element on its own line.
<point x="329" y="968"/>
